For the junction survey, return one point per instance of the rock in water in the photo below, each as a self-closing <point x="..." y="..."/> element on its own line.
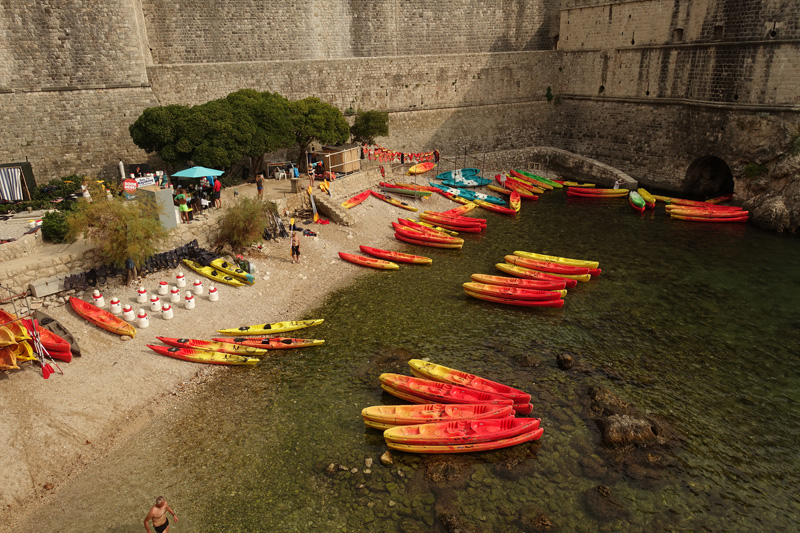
<point x="601" y="504"/>
<point x="386" y="458"/>
<point x="565" y="361"/>
<point x="621" y="430"/>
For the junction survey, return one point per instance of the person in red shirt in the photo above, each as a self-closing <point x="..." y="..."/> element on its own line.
<point x="217" y="188"/>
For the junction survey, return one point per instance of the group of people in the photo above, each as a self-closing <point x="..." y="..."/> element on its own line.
<point x="193" y="201"/>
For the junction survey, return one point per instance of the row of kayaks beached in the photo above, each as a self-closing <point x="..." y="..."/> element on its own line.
<point x="221" y="351"/>
<point x="455" y="412"/>
<point x="38" y="337"/>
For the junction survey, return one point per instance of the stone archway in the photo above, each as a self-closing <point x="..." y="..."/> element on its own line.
<point x="708" y="176"/>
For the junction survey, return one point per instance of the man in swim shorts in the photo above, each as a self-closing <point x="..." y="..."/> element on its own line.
<point x="295" y="248"/>
<point x="158" y="516"/>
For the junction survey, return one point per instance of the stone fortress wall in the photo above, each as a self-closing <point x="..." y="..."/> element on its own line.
<point x="681" y="80"/>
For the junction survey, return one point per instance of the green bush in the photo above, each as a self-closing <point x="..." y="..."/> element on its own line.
<point x="243" y="223"/>
<point x="55" y="227"/>
<point x="753" y="170"/>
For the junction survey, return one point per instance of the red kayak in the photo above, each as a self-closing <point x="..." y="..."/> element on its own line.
<point x="516" y="301"/>
<point x="386" y="416"/>
<point x="581" y="194"/>
<point x="101" y="318"/>
<point x="389" y="255"/>
<point x="203" y="356"/>
<point x="457" y="219"/>
<point x="466" y="448"/>
<point x="519" y="186"/>
<point x="425" y="236"/>
<point x="427" y="370"/>
<point x="530" y="180"/>
<point x="542" y="285"/>
<point x="212" y="346"/>
<point x="545" y="266"/>
<point x="270" y="343"/>
<point x="708" y="213"/>
<point x="420" y="242"/>
<point x="368" y="261"/>
<point x="420" y="227"/>
<point x="357" y="199"/>
<point x="462" y="432"/>
<point x="712" y="219"/>
<point x="513" y="292"/>
<point x="496" y="208"/>
<point x="57" y="347"/>
<point x="527" y="273"/>
<point x="460" y="223"/>
<point x="515" y="201"/>
<point x="434" y="391"/>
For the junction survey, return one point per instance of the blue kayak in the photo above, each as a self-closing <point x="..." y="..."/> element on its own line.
<point x="474" y="181"/>
<point x="470" y="195"/>
<point x="458" y="173"/>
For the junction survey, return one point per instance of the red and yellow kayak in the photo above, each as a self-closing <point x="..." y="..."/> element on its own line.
<point x="212" y="346"/>
<point x="465" y="448"/>
<point x="355" y="200"/>
<point x="389" y="255"/>
<point x="742" y="218"/>
<point x="524" y="174"/>
<point x="271" y="343"/>
<point x="513" y="292"/>
<point x="434" y="391"/>
<point x="424" y="226"/>
<point x="423" y="235"/>
<point x="542" y="285"/>
<point x="523" y="262"/>
<point x="515" y="301"/>
<point x="527" y="189"/>
<point x="461" y="210"/>
<point x="649" y="199"/>
<point x="421" y="168"/>
<point x="582" y="193"/>
<point x="535" y="182"/>
<point x="411" y="240"/>
<point x="462" y="432"/>
<point x="268" y="329"/>
<point x="496" y="208"/>
<point x="101" y="318"/>
<point x="386" y="416"/>
<point x="368" y="261"/>
<point x="560" y="260"/>
<point x="700" y="212"/>
<point x="499" y="188"/>
<point x="545" y="266"/>
<point x="527" y="273"/>
<point x="443" y="374"/>
<point x="460" y="223"/>
<point x="392" y="201"/>
<point x="515" y="201"/>
<point x="202" y="356"/>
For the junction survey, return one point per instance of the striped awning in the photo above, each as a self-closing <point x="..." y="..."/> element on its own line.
<point x="11" y="184"/>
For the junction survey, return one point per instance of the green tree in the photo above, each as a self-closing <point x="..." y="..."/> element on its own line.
<point x="271" y="117"/>
<point x="122" y="229"/>
<point x="313" y="119"/>
<point x="157" y="130"/>
<point x="243" y="224"/>
<point x="368" y="125"/>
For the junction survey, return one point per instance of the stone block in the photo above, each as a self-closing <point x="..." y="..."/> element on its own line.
<point x="47" y="286"/>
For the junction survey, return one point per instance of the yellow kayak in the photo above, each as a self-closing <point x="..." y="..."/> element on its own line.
<point x="559" y="260"/>
<point x="648" y="198"/>
<point x="233" y="271"/>
<point x="213" y="274"/>
<point x="267" y="329"/>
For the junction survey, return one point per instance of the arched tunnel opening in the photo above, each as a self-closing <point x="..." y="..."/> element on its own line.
<point x="708" y="176"/>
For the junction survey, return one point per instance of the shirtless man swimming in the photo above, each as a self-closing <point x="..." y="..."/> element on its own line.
<point x="158" y="515"/>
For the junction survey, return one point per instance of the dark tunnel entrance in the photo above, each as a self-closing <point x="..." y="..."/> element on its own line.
<point x="708" y="176"/>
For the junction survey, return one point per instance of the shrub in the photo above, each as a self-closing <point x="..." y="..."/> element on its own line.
<point x="243" y="224"/>
<point x="753" y="170"/>
<point x="55" y="226"/>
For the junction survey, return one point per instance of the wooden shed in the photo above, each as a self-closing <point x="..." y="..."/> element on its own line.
<point x="342" y="159"/>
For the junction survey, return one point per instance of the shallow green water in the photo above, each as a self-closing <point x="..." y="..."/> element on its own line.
<point x="698" y="323"/>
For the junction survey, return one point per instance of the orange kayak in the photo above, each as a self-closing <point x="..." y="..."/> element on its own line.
<point x="515" y="201"/>
<point x="411" y="240"/>
<point x="101" y="318"/>
<point x="542" y="285"/>
<point x="424" y="235"/>
<point x="355" y="200"/>
<point x="515" y="301"/>
<point x="515" y="260"/>
<point x="496" y="208"/>
<point x="434" y="391"/>
<point x="203" y="356"/>
<point x="545" y="266"/>
<point x="386" y="416"/>
<point x="368" y="261"/>
<point x="212" y="346"/>
<point x="462" y="432"/>
<point x="389" y="255"/>
<point x="52" y="343"/>
<point x="390" y="200"/>
<point x="527" y="273"/>
<point x="421" y="168"/>
<point x="428" y="370"/>
<point x="513" y="292"/>
<point x="464" y="448"/>
<point x="460" y="210"/>
<point x="270" y="343"/>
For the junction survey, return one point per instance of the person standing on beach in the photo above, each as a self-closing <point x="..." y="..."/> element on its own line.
<point x="217" y="189"/>
<point x="260" y="185"/>
<point x="158" y="516"/>
<point x="295" y="247"/>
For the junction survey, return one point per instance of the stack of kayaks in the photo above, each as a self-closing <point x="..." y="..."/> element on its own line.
<point x="215" y="274"/>
<point x="222" y="351"/>
<point x="24" y="339"/>
<point x="454" y="222"/>
<point x="233" y="271"/>
<point x="535" y="179"/>
<point x="707" y="213"/>
<point x="426" y="237"/>
<point x="525" y="188"/>
<point x="457" y="412"/>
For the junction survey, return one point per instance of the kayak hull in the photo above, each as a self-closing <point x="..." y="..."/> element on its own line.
<point x="513" y="292"/>
<point x="388" y="255"/>
<point x="101" y="318"/>
<point x="270" y="343"/>
<point x="405" y="415"/>
<point x="421" y="168"/>
<point x="512" y="301"/>
<point x="202" y="356"/>
<point x="466" y="448"/>
<point x="463" y="432"/>
<point x="371" y="262"/>
<point x="268" y="329"/>
<point x="212" y="346"/>
<point x="542" y="285"/>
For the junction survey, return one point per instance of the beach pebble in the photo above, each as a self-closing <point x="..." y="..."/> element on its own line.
<point x="354" y="470"/>
<point x="386" y="458"/>
<point x="392" y="503"/>
<point x="125" y="337"/>
<point x="331" y="468"/>
<point x="368" y="462"/>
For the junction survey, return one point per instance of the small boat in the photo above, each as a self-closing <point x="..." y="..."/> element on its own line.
<point x="101" y="318"/>
<point x="649" y="199"/>
<point x="465" y="448"/>
<point x="14" y="325"/>
<point x="461" y="432"/>
<point x="461" y="210"/>
<point x="526" y="180"/>
<point x="524" y="174"/>
<point x="458" y="173"/>
<point x="392" y="201"/>
<point x="561" y="260"/>
<point x="54" y="326"/>
<point x="474" y="181"/>
<point x="424" y="226"/>
<point x="519" y="293"/>
<point x="597" y="193"/>
<point x="527" y="273"/>
<point x="233" y="270"/>
<point x="406" y="191"/>
<point x="271" y="343"/>
<point x="212" y="346"/>
<point x="544" y="266"/>
<point x="699" y="212"/>
<point x="386" y="416"/>
<point x="743" y="218"/>
<point x="421" y="168"/>
<point x="425" y="235"/>
<point x="411" y="240"/>
<point x="496" y="208"/>
<point x="435" y="391"/>
<point x="521" y="187"/>
<point x="203" y="356"/>
<point x="515" y="201"/>
<point x="389" y="255"/>
<point x="720" y="199"/>
<point x="498" y="188"/>
<point x="515" y="301"/>
<point x="368" y="261"/>
<point x="268" y="329"/>
<point x="357" y="199"/>
<point x="636" y="201"/>
<point x="443" y="374"/>
<point x="213" y="274"/>
<point x="503" y="281"/>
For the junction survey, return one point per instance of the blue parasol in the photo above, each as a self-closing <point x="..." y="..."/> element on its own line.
<point x="198" y="172"/>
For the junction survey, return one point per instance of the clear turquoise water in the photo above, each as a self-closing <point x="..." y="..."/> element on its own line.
<point x="698" y="323"/>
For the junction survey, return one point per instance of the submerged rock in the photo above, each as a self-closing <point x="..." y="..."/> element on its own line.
<point x="386" y="458"/>
<point x="622" y="430"/>
<point x="533" y="519"/>
<point x="601" y="504"/>
<point x="565" y="361"/>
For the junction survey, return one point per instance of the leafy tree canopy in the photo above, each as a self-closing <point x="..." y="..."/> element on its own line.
<point x="313" y="119"/>
<point x="368" y="125"/>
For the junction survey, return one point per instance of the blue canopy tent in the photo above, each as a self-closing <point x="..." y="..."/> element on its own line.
<point x="198" y="172"/>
